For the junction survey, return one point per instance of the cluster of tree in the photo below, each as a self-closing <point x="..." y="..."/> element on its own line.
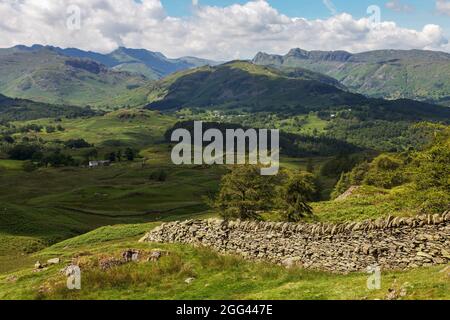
<point x="51" y="129"/>
<point x="244" y="194"/>
<point x="77" y="144"/>
<point x="7" y="139"/>
<point x="33" y="127"/>
<point x="426" y="171"/>
<point x="159" y="175"/>
<point x="293" y="145"/>
<point x="24" y="110"/>
<point x="381" y="135"/>
<point x="41" y="157"/>
<point x="129" y="154"/>
<point x="342" y="163"/>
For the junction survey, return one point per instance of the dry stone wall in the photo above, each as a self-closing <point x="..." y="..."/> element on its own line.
<point x="392" y="243"/>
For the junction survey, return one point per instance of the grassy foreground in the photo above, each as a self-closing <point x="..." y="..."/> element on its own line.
<point x="215" y="276"/>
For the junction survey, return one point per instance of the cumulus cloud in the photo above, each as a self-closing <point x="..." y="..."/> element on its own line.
<point x="398" y="6"/>
<point x="235" y="31"/>
<point x="443" y="6"/>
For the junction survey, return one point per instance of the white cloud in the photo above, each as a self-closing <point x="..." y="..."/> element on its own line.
<point x="443" y="6"/>
<point x="398" y="6"/>
<point x="213" y="32"/>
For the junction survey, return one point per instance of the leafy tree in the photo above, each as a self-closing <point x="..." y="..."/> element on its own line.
<point x="295" y="194"/>
<point x="244" y="192"/>
<point x="310" y="166"/>
<point x="341" y="186"/>
<point x="159" y="175"/>
<point x="129" y="154"/>
<point x="385" y="172"/>
<point x="57" y="159"/>
<point x="8" y="139"/>
<point x="50" y="129"/>
<point x="432" y="168"/>
<point x="358" y="173"/>
<point x="90" y="154"/>
<point x="23" y="151"/>
<point x="111" y="156"/>
<point x="77" y="144"/>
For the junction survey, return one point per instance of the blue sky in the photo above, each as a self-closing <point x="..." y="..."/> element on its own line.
<point x="424" y="11"/>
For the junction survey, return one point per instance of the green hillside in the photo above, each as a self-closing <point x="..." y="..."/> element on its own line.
<point x="260" y="96"/>
<point x="21" y="109"/>
<point x="46" y="76"/>
<point x="391" y="74"/>
<point x="53" y="211"/>
<point x="214" y="276"/>
<point x="244" y="86"/>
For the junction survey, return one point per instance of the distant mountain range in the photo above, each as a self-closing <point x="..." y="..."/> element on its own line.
<point x="76" y="77"/>
<point x="391" y="74"/>
<point x="153" y="65"/>
<point x="300" y="80"/>
<point x="46" y="76"/>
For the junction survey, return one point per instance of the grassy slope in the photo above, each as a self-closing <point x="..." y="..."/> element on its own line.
<point x="52" y="204"/>
<point x="368" y="203"/>
<point x="22" y="109"/>
<point x="44" y="207"/>
<point x="62" y="203"/>
<point x="52" y="80"/>
<point x="216" y="277"/>
<point x="134" y="128"/>
<point x="239" y="84"/>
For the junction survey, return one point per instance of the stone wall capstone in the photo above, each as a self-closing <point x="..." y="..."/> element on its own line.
<point x="391" y="243"/>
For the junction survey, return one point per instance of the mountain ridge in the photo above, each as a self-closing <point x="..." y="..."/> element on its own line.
<point x="422" y="75"/>
<point x="242" y="85"/>
<point x="43" y="75"/>
<point x="157" y="65"/>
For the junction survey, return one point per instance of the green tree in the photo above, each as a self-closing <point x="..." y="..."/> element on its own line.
<point x="50" y="129"/>
<point x="244" y="192"/>
<point x="310" y="166"/>
<point x="431" y="168"/>
<point x="90" y="154"/>
<point x="295" y="195"/>
<point x="385" y="172"/>
<point x="358" y="174"/>
<point x="111" y="156"/>
<point x="129" y="154"/>
<point x="341" y="186"/>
